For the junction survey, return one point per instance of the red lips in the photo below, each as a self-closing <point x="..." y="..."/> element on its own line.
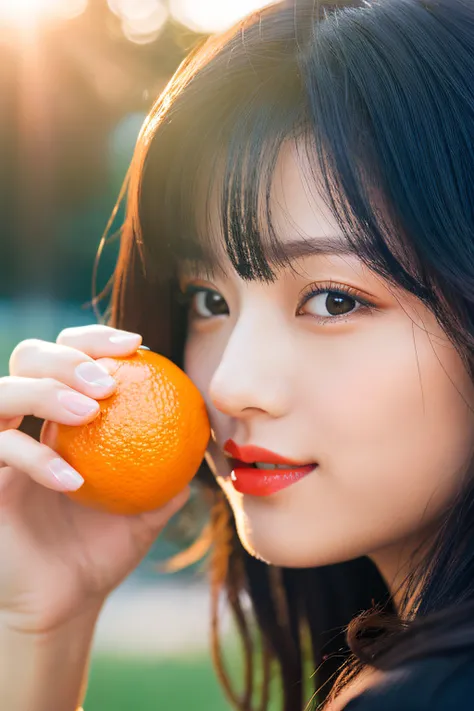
<point x="263" y="482"/>
<point x="251" y="454"/>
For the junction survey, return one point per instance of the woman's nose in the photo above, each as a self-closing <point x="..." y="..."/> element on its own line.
<point x="252" y="375"/>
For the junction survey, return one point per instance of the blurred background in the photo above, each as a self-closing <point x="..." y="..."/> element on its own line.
<point x="77" y="78"/>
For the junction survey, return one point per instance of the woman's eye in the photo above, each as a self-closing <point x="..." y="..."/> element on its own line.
<point x="205" y="303"/>
<point x="331" y="304"/>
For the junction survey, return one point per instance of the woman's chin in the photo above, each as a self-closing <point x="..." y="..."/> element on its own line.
<point x="276" y="555"/>
<point x="276" y="549"/>
<point x="293" y="542"/>
<point x="283" y="554"/>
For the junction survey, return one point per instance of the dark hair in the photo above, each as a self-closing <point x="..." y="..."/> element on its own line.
<point x="380" y="94"/>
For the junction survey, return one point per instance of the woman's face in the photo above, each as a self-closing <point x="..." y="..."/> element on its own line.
<point x="376" y="396"/>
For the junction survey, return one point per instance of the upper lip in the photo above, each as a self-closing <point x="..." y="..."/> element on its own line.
<point x="250" y="453"/>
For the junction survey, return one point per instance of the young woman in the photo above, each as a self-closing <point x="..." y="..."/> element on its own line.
<point x="300" y="239"/>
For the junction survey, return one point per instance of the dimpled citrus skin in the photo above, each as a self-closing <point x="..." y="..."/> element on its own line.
<point x="147" y="442"/>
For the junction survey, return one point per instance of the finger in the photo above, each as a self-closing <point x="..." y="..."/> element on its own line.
<point x="38" y="461"/>
<point x="97" y="340"/>
<point x="41" y="359"/>
<point x="46" y="399"/>
<point x="49" y="433"/>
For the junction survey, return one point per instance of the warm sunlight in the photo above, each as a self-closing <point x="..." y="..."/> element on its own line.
<point x="213" y="15"/>
<point x="142" y="20"/>
<point x="24" y="13"/>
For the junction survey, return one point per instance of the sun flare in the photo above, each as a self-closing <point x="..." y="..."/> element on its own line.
<point x="26" y="13"/>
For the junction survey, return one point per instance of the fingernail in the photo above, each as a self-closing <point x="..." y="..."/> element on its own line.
<point x="76" y="403"/>
<point x="125" y="339"/>
<point x="94" y="374"/>
<point x="65" y="475"/>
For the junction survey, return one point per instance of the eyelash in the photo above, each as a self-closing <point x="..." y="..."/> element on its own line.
<point x="313" y="291"/>
<point x="332" y="287"/>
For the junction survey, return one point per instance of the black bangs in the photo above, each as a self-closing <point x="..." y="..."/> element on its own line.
<point x="230" y="215"/>
<point x="207" y="178"/>
<point x="251" y="240"/>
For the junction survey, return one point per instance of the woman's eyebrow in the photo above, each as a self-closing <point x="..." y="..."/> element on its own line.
<point x="201" y="267"/>
<point x="335" y="244"/>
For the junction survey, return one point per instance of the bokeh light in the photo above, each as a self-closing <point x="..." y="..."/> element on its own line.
<point x="133" y="9"/>
<point x="213" y="15"/>
<point x="145" y="30"/>
<point x="142" y="20"/>
<point x="21" y="13"/>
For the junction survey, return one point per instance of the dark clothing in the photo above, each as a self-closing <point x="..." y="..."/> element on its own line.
<point x="431" y="684"/>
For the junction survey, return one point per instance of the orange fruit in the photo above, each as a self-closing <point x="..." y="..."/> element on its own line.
<point x="147" y="442"/>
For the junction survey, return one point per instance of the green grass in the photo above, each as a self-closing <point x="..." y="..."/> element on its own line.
<point x="155" y="683"/>
<point x="151" y="684"/>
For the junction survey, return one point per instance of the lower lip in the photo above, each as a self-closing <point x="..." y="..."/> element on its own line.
<point x="264" y="482"/>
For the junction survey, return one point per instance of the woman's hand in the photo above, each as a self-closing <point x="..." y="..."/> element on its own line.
<point x="59" y="559"/>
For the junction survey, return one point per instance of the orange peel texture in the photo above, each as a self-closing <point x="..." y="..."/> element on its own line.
<point x="147" y="442"/>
